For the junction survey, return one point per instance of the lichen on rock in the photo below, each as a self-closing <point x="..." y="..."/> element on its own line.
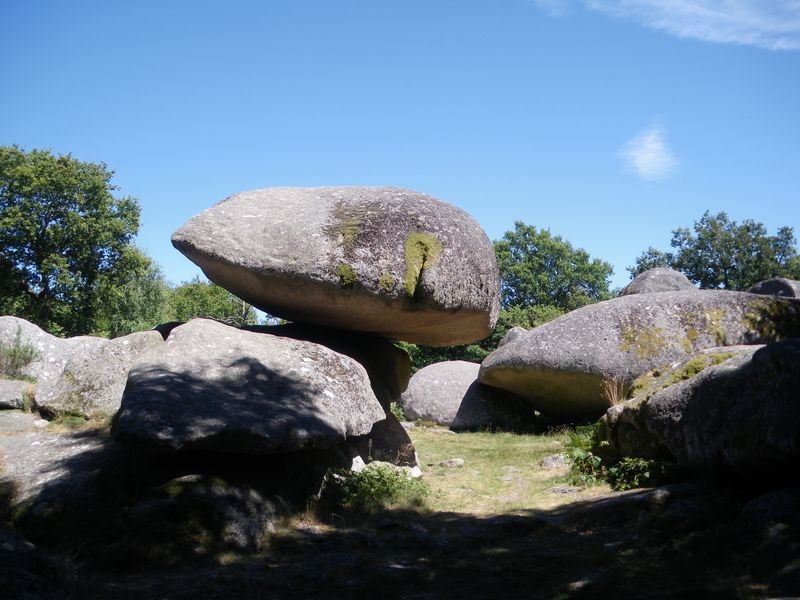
<point x="421" y="251"/>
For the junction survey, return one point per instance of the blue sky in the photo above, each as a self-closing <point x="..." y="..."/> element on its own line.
<point x="610" y="122"/>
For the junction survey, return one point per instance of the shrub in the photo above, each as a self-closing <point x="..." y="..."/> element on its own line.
<point x="377" y="487"/>
<point x="397" y="411"/>
<point x="633" y="472"/>
<point x="15" y="357"/>
<point x="587" y="468"/>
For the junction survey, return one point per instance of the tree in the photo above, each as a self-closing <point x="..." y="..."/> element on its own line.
<point x="61" y="233"/>
<point x="136" y="300"/>
<point x="720" y="253"/>
<point x="539" y="269"/>
<point x="198" y="298"/>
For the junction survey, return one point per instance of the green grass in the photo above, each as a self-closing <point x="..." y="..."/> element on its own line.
<point x="501" y="471"/>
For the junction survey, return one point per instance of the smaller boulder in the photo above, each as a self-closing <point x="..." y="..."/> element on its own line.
<point x="51" y="353"/>
<point x="777" y="286"/>
<point x="731" y="408"/>
<point x="221" y="389"/>
<point x="655" y="280"/>
<point x="16" y="394"/>
<point x="449" y="393"/>
<point x="91" y="385"/>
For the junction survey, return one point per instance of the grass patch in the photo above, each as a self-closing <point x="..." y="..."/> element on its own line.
<point x="501" y="471"/>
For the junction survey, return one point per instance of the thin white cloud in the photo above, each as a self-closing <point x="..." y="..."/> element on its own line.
<point x="770" y="24"/>
<point x="648" y="155"/>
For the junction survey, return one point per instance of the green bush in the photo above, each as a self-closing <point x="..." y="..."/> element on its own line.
<point x="587" y="467"/>
<point x="376" y="488"/>
<point x="15" y="357"/>
<point x="632" y="473"/>
<point x="397" y="411"/>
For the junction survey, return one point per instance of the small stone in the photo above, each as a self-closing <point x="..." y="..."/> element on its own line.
<point x="564" y="489"/>
<point x="554" y="461"/>
<point x="452" y="463"/>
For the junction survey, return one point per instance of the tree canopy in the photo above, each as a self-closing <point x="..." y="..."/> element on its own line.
<point x="62" y="233"/>
<point x="721" y="253"/>
<point x="197" y="298"/>
<point x="540" y="269"/>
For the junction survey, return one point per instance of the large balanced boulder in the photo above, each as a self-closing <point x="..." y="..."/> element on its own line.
<point x="777" y="286"/>
<point x="91" y="384"/>
<point x="659" y="279"/>
<point x="217" y="388"/>
<point x="387" y="261"/>
<point x="50" y="353"/>
<point x="727" y="408"/>
<point x="449" y="393"/>
<point x="564" y="367"/>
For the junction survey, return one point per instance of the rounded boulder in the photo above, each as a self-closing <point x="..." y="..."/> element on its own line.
<point x="387" y="261"/>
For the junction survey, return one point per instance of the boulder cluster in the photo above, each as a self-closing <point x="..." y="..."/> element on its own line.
<point x="703" y="378"/>
<point x="353" y="268"/>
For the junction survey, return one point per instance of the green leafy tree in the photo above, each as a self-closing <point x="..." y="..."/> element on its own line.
<point x="720" y="253"/>
<point x="62" y="233"/>
<point x="137" y="300"/>
<point x="540" y="269"/>
<point x="197" y="298"/>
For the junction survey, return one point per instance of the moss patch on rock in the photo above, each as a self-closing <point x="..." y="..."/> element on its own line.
<point x="386" y="282"/>
<point x="421" y="251"/>
<point x="773" y="320"/>
<point x="647" y="342"/>
<point x="347" y="275"/>
<point x="647" y="385"/>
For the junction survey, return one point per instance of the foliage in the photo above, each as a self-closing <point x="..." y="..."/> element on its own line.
<point x="587" y="467"/>
<point x="15" y="357"/>
<point x="62" y="232"/>
<point x="397" y="411"/>
<point x="138" y="300"/>
<point x="540" y="269"/>
<point x="720" y="253"/>
<point x="632" y="472"/>
<point x="377" y="487"/>
<point x="198" y="298"/>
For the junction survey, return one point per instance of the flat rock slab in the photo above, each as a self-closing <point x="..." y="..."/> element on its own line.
<point x="217" y="388"/>
<point x="387" y="261"/>
<point x="60" y="464"/>
<point x="560" y="367"/>
<point x="449" y="393"/>
<point x="17" y="421"/>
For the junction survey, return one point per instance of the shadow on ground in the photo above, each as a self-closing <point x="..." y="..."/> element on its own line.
<point x="683" y="540"/>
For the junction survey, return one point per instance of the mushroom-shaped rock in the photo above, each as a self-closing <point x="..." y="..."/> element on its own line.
<point x="659" y="279"/>
<point x="724" y="408"/>
<point x="387" y="261"/>
<point x="564" y="367"/>
<point x="217" y="388"/>
<point x="777" y="286"/>
<point x="449" y="393"/>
